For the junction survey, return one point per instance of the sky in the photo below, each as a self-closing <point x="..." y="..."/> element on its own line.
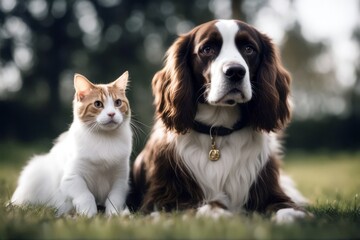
<point x="329" y="21"/>
<point x="336" y="24"/>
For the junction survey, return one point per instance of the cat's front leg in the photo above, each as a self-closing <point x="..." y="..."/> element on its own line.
<point x="85" y="205"/>
<point x="116" y="199"/>
<point x="75" y="187"/>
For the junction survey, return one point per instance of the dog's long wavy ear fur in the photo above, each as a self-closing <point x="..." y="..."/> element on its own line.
<point x="173" y="88"/>
<point x="270" y="108"/>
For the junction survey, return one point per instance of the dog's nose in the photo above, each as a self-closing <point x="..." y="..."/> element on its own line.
<point x="234" y="71"/>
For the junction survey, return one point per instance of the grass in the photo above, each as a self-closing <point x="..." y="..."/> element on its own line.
<point x="330" y="181"/>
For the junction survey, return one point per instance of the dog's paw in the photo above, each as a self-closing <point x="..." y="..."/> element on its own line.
<point x="214" y="212"/>
<point x="288" y="215"/>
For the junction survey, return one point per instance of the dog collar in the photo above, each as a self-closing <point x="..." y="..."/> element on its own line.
<point x="214" y="131"/>
<point x="218" y="130"/>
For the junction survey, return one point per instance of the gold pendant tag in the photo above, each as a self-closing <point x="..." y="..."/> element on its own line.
<point x="214" y="153"/>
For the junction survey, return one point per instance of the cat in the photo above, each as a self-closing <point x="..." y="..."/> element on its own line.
<point x="88" y="166"/>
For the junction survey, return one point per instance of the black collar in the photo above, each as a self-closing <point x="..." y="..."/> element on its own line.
<point x="218" y="130"/>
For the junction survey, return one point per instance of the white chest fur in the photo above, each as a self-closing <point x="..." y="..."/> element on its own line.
<point x="99" y="158"/>
<point x="228" y="180"/>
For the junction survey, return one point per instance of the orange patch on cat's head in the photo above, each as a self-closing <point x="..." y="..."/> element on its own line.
<point x="117" y="91"/>
<point x="87" y="93"/>
<point x="82" y="86"/>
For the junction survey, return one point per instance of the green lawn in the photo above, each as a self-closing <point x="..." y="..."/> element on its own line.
<point x="330" y="181"/>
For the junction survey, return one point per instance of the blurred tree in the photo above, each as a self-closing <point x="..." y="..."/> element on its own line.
<point x="236" y="8"/>
<point x="354" y="93"/>
<point x="42" y="44"/>
<point x="327" y="114"/>
<point x="307" y="79"/>
<point x="331" y="120"/>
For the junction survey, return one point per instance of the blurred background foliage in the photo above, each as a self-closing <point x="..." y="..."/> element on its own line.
<point x="43" y="43"/>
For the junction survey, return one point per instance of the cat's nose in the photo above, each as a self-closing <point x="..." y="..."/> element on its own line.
<point x="111" y="114"/>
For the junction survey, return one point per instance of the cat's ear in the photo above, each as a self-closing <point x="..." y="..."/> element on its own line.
<point x="82" y="86"/>
<point x="122" y="81"/>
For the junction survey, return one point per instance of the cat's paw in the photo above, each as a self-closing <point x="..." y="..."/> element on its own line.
<point x="64" y="208"/>
<point x="85" y="206"/>
<point x="113" y="208"/>
<point x="111" y="211"/>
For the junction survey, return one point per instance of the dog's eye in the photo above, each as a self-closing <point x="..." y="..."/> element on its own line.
<point x="208" y="50"/>
<point x="248" y="50"/>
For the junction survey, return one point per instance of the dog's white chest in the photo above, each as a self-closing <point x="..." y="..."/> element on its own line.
<point x="228" y="180"/>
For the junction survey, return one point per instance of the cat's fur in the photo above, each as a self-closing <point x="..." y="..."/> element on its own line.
<point x="89" y="164"/>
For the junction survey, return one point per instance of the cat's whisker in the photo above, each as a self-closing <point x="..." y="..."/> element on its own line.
<point x="133" y="119"/>
<point x="137" y="130"/>
<point x="93" y="126"/>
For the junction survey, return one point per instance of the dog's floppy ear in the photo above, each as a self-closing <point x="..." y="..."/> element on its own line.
<point x="269" y="109"/>
<point x="173" y="88"/>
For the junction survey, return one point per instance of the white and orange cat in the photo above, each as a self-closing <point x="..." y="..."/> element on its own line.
<point x="89" y="164"/>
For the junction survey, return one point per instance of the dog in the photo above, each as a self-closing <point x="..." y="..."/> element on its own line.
<point x="222" y="100"/>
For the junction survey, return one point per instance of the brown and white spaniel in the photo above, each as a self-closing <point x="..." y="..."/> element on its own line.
<point x="220" y="100"/>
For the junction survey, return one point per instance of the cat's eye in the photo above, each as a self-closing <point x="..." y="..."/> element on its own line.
<point x="118" y="103"/>
<point x="98" y="104"/>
